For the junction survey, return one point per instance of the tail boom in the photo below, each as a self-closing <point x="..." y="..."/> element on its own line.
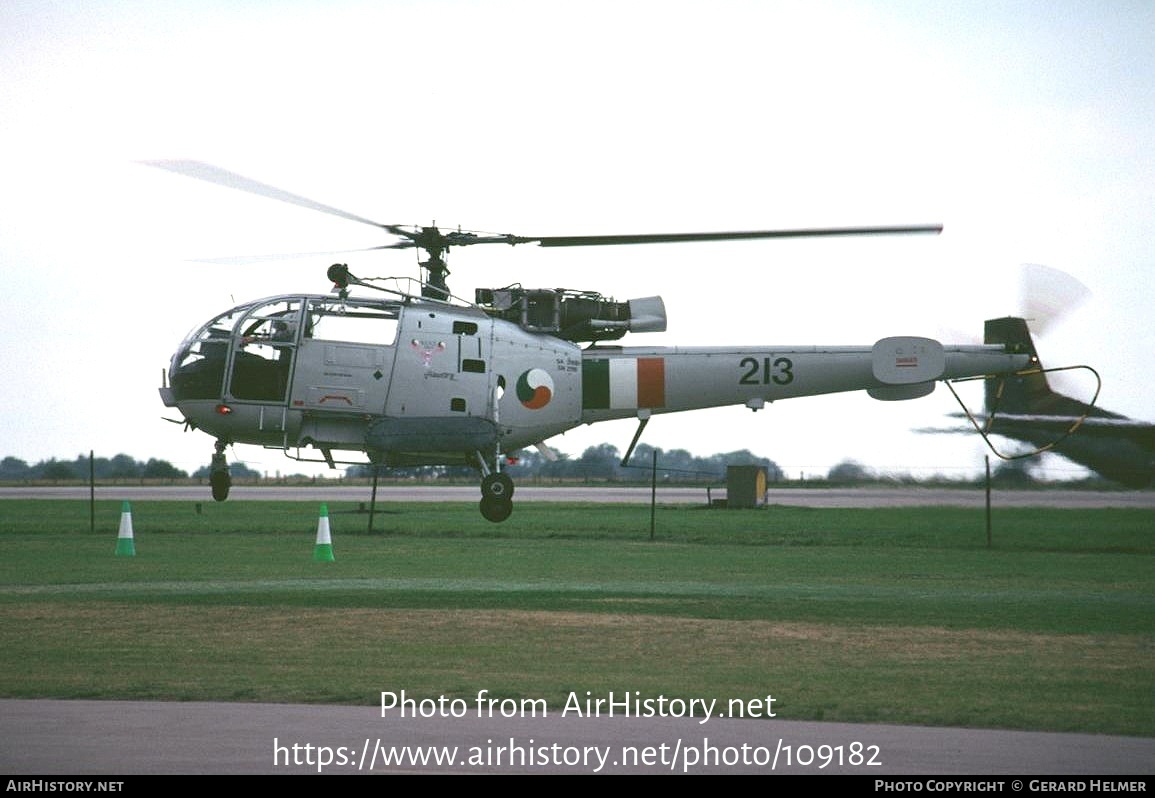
<point x="621" y="382"/>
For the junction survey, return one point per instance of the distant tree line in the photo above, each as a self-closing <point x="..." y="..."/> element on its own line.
<point x="601" y="463"/>
<point x="120" y="467"/>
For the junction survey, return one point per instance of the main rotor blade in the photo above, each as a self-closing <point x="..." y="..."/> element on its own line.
<point x="245" y="260"/>
<point x="664" y="238"/>
<point x="223" y="177"/>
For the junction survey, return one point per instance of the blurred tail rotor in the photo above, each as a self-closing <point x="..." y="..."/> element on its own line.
<point x="1047" y="295"/>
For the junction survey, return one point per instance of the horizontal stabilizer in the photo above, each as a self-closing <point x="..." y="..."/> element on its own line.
<point x="899" y="393"/>
<point x="906" y="360"/>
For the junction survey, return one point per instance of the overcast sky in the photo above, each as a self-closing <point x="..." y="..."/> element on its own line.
<point x="1026" y="128"/>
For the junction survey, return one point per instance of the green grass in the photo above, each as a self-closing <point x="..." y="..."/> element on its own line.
<point x="891" y="615"/>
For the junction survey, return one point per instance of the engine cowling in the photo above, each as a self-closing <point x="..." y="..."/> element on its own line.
<point x="573" y="315"/>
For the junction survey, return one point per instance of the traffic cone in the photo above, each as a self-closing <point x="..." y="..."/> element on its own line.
<point x="125" y="547"/>
<point x="323" y="551"/>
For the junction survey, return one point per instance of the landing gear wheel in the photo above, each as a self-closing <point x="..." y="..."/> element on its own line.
<point x="497" y="486"/>
<point x="219" y="477"/>
<point x="221" y="481"/>
<point x="496" y="510"/>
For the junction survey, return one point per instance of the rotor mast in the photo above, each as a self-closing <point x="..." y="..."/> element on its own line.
<point x="436" y="269"/>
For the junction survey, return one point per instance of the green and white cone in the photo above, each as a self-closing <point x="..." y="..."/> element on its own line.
<point x="125" y="547"/>
<point x="323" y="551"/>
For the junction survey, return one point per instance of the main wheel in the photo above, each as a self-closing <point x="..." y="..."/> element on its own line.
<point x="496" y="510"/>
<point x="497" y="486"/>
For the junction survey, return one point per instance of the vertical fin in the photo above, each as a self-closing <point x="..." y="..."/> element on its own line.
<point x="1019" y="394"/>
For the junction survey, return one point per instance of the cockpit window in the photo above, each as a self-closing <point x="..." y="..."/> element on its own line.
<point x="265" y="341"/>
<point x="198" y="369"/>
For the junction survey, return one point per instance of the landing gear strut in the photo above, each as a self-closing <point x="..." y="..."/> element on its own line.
<point x="219" y="478"/>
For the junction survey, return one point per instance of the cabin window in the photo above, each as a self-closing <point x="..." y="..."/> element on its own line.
<point x="334" y="320"/>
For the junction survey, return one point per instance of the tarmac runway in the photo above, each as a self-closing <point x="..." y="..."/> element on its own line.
<point x="903" y="496"/>
<point x="119" y="738"/>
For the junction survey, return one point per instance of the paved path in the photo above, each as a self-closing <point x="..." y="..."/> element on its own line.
<point x="805" y="497"/>
<point x="126" y="738"/>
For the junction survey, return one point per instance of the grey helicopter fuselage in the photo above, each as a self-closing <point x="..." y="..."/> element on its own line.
<point x="406" y="381"/>
<point x="421" y="381"/>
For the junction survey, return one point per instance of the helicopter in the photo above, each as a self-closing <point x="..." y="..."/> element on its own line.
<point x="416" y="376"/>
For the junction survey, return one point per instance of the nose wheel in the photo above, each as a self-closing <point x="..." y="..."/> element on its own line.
<point x="496" y="497"/>
<point x="220" y="480"/>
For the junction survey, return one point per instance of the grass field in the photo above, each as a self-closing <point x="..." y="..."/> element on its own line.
<point x="894" y="615"/>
